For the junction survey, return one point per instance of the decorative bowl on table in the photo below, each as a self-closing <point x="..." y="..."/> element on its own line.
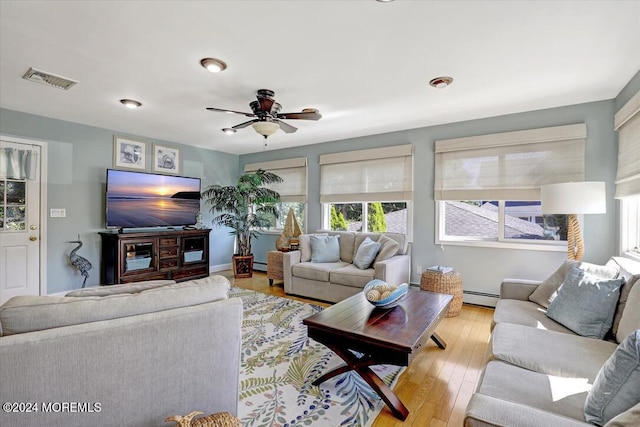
<point x="384" y="295"/>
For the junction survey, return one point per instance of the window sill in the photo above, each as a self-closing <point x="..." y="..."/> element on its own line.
<point x="546" y="247"/>
<point x="632" y="255"/>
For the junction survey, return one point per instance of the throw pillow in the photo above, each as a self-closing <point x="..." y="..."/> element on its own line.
<point x="547" y="290"/>
<point x="630" y="318"/>
<point x="325" y="248"/>
<point x="365" y="254"/>
<point x="388" y="248"/>
<point x="628" y="418"/>
<point x="617" y="386"/>
<point x="586" y="303"/>
<point x="305" y="246"/>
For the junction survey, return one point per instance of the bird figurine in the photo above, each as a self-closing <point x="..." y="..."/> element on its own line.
<point x="79" y="263"/>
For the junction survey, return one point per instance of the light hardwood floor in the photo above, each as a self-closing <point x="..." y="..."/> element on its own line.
<point x="438" y="384"/>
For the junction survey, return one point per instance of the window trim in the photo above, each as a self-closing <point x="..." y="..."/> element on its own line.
<point x="502" y="242"/>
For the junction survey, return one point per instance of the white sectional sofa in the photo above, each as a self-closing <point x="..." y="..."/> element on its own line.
<point x="335" y="281"/>
<point x="541" y="373"/>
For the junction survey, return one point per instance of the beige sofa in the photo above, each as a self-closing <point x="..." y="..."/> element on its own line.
<point x="539" y="372"/>
<point x="336" y="281"/>
<point x="121" y="355"/>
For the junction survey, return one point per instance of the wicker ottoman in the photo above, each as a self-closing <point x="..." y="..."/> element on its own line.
<point x="444" y="283"/>
<point x="274" y="266"/>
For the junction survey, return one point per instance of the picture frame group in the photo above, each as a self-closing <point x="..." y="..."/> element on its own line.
<point x="130" y="153"/>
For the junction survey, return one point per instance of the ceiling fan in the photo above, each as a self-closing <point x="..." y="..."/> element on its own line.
<point x="268" y="116"/>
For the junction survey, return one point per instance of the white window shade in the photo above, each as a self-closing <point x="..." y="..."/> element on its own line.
<point x="293" y="172"/>
<point x="627" y="123"/>
<point x="508" y="166"/>
<point x="379" y="174"/>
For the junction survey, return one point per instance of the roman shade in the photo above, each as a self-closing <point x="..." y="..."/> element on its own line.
<point x="377" y="174"/>
<point x="510" y="165"/>
<point x="627" y="123"/>
<point x="293" y="188"/>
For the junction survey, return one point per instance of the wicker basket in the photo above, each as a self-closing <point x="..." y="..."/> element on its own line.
<point x="444" y="283"/>
<point x="220" y="419"/>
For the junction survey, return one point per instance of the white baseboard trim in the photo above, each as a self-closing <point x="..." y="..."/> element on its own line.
<point x="220" y="267"/>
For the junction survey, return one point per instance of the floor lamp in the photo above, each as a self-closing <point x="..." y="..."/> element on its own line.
<point x="573" y="199"/>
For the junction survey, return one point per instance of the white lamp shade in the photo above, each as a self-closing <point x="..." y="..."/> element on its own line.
<point x="265" y="128"/>
<point x="574" y="198"/>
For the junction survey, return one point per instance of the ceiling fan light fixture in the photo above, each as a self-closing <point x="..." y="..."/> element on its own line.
<point x="130" y="103"/>
<point x="441" y="82"/>
<point x="229" y="131"/>
<point x="213" y="65"/>
<point x="265" y="128"/>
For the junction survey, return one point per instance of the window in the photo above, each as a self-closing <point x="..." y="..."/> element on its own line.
<point x="368" y="190"/>
<point x="293" y="189"/>
<point x="487" y="187"/>
<point x="627" y="123"/>
<point x="381" y="217"/>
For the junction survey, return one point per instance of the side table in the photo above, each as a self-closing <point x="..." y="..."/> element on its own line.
<point x="274" y="266"/>
<point x="444" y="283"/>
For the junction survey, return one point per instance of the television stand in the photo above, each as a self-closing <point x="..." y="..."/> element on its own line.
<point x="136" y="255"/>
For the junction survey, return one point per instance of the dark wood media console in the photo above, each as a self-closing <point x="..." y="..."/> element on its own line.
<point x="151" y="255"/>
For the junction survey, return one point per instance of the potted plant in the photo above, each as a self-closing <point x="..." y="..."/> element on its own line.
<point x="246" y="208"/>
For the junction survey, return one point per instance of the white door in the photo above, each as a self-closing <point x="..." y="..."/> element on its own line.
<point x="19" y="228"/>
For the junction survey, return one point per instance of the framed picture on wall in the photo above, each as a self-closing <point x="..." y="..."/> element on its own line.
<point x="166" y="159"/>
<point x="129" y="153"/>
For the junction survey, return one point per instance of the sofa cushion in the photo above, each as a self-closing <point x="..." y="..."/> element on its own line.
<point x="617" y="386"/>
<point x="547" y="290"/>
<point x="350" y="275"/>
<point x="347" y="244"/>
<point x="630" y="272"/>
<point x="388" y="248"/>
<point x="586" y="303"/>
<point x="549" y="352"/>
<point x="316" y="270"/>
<point x="628" y="418"/>
<point x="34" y="313"/>
<point x="559" y="395"/>
<point x="129" y="288"/>
<point x="525" y="313"/>
<point x="630" y="319"/>
<point x="325" y="248"/>
<point x="366" y="253"/>
<point x="305" y="245"/>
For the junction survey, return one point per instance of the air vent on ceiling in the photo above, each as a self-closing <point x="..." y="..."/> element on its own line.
<point x="48" y="79"/>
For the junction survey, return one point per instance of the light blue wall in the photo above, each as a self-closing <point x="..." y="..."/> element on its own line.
<point x="78" y="158"/>
<point x="482" y="269"/>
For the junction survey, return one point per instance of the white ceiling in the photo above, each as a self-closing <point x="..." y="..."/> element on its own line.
<point x="365" y="65"/>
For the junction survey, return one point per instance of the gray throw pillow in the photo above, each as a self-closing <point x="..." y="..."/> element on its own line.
<point x="388" y="248"/>
<point x="325" y="248"/>
<point x="365" y="254"/>
<point x="616" y="388"/>
<point x="586" y="303"/>
<point x="305" y="246"/>
<point x="547" y="290"/>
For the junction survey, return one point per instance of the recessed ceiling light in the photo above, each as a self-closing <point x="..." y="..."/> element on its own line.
<point x="441" y="82"/>
<point x="213" y="65"/>
<point x="229" y="131"/>
<point x="130" y="103"/>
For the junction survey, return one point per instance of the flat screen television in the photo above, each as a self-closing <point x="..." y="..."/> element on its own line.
<point x="141" y="200"/>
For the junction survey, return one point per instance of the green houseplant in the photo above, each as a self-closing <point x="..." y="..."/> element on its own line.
<point x="246" y="208"/>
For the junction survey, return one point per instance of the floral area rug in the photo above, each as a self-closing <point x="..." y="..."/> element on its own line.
<point x="279" y="363"/>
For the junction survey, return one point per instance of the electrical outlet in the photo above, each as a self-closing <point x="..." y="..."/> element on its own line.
<point x="418" y="269"/>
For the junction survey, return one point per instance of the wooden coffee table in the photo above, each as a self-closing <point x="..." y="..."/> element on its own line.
<point x="382" y="337"/>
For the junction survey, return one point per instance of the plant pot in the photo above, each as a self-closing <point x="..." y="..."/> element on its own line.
<point x="242" y="266"/>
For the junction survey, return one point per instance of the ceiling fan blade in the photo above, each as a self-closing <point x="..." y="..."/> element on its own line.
<point x="286" y="127"/>
<point x="222" y="110"/>
<point x="306" y="114"/>
<point x="245" y="124"/>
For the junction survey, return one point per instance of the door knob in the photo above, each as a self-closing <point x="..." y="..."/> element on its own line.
<point x="33" y="238"/>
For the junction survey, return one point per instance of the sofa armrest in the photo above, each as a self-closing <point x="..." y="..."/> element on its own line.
<point x="484" y="411"/>
<point x="289" y="259"/>
<point x="395" y="270"/>
<point x="517" y="288"/>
